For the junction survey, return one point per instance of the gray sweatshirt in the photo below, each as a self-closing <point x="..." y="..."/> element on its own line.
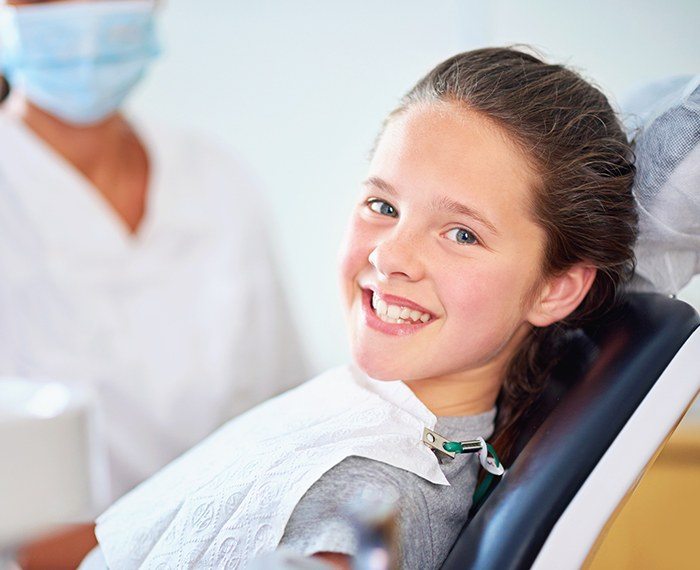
<point x="430" y="516"/>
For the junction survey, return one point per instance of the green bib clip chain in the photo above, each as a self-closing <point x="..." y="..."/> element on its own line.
<point x="487" y="456"/>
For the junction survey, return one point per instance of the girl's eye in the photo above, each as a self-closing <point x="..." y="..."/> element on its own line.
<point x="382" y="207"/>
<point x="462" y="236"/>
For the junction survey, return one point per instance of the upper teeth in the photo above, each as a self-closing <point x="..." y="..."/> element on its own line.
<point x="395" y="313"/>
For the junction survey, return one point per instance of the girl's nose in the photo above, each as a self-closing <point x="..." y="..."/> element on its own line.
<point x="397" y="257"/>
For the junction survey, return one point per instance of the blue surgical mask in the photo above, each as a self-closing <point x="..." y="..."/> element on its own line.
<point x="77" y="60"/>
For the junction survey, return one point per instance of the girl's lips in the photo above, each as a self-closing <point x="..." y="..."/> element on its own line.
<point x="374" y="322"/>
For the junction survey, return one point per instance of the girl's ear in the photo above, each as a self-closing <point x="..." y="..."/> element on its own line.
<point x="561" y="294"/>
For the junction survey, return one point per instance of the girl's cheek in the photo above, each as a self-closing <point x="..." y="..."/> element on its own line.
<point x="469" y="289"/>
<point x="346" y="244"/>
<point x="354" y="252"/>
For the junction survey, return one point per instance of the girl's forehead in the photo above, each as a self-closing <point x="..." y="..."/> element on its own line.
<point x="447" y="150"/>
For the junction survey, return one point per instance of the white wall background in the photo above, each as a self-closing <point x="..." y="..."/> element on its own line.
<point x="300" y="88"/>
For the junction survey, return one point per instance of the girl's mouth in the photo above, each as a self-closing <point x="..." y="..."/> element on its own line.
<point x="392" y="318"/>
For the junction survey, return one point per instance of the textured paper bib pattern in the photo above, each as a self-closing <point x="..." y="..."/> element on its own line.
<point x="229" y="498"/>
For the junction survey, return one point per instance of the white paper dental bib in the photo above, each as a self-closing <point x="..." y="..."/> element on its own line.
<point x="229" y="498"/>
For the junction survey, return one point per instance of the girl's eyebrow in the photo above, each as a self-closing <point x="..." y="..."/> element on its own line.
<point x="449" y="205"/>
<point x="441" y="203"/>
<point x="381" y="184"/>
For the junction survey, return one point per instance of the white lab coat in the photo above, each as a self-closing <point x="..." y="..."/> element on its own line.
<point x="174" y="330"/>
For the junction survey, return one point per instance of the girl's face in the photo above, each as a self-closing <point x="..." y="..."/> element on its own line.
<point x="442" y="258"/>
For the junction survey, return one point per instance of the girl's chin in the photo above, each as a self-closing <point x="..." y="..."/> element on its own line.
<point x="379" y="368"/>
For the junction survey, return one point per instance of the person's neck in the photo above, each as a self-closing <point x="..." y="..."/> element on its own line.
<point x="109" y="154"/>
<point x="468" y="392"/>
<point x="461" y="394"/>
<point x="86" y="147"/>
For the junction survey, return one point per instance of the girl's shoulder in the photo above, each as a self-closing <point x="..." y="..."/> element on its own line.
<point x="429" y="516"/>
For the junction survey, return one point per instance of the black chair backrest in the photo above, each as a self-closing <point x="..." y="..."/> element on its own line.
<point x="607" y="371"/>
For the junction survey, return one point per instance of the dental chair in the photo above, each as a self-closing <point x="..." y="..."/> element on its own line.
<point x="624" y="383"/>
<point x="618" y="393"/>
<point x="621" y="387"/>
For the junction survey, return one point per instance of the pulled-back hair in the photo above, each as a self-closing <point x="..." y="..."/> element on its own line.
<point x="583" y="201"/>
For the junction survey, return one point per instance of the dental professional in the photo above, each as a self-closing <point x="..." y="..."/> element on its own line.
<point x="135" y="259"/>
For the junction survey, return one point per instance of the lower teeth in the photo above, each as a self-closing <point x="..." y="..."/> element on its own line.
<point x="394" y="321"/>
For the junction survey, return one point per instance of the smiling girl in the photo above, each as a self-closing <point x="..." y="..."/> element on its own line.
<point x="496" y="215"/>
<point x="498" y="206"/>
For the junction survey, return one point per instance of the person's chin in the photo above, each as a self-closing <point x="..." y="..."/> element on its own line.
<point x="378" y="367"/>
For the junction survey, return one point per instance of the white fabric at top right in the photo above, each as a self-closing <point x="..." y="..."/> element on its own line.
<point x="663" y="121"/>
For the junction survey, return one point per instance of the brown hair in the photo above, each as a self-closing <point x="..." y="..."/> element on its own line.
<point x="584" y="200"/>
